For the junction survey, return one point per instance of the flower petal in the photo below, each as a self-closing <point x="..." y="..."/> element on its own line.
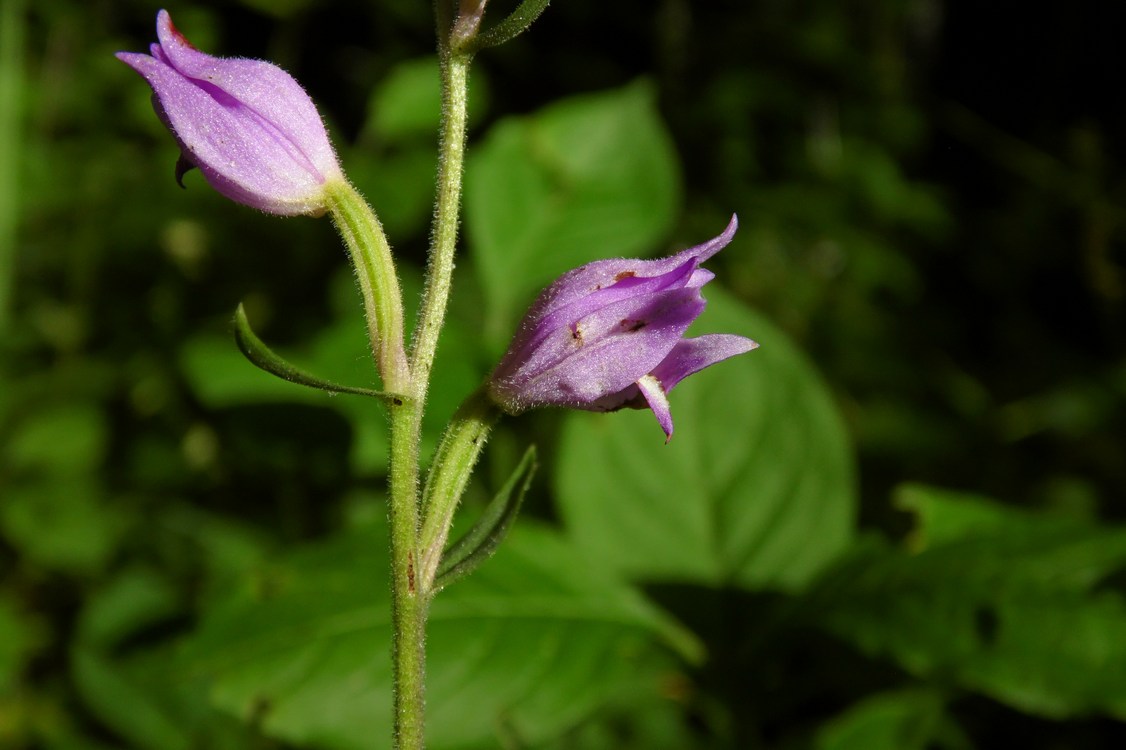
<point x="602" y="274"/>
<point x="600" y="354"/>
<point x="247" y="125"/>
<point x="537" y="329"/>
<point x="689" y="356"/>
<point x="265" y="90"/>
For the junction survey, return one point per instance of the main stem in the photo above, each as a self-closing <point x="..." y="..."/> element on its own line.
<point x="443" y="242"/>
<point x="379" y="287"/>
<point x="408" y="600"/>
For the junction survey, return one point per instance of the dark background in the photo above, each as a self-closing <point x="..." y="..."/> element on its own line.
<point x="931" y="196"/>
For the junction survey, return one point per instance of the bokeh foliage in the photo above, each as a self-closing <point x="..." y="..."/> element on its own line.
<point x="896" y="525"/>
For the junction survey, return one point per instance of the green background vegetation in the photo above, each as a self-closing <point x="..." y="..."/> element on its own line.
<point x="895" y="525"/>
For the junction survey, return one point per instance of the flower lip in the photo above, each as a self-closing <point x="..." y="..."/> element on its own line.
<point x="246" y="124"/>
<point x="609" y="335"/>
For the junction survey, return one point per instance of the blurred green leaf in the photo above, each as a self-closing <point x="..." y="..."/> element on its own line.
<point x="1066" y="558"/>
<point x="399" y="183"/>
<point x="20" y="636"/>
<point x="136" y="695"/>
<point x="62" y="524"/>
<point x="1004" y="602"/>
<point x="637" y="726"/>
<point x="534" y="641"/>
<point x="407" y="102"/>
<point x="125" y="705"/>
<point x="756" y="488"/>
<point x="133" y="599"/>
<point x="908" y="720"/>
<point x="65" y="438"/>
<point x="12" y="28"/>
<point x="120" y="661"/>
<point x="586" y="178"/>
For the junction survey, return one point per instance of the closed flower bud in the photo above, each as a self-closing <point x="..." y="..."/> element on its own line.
<point x="246" y="124"/>
<point x="610" y="334"/>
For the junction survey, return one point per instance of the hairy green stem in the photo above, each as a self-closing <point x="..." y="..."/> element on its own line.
<point x="408" y="380"/>
<point x="383" y="307"/>
<point x="443" y="243"/>
<point x="408" y="601"/>
<point x="379" y="284"/>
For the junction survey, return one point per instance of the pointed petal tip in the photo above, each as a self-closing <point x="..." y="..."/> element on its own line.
<point x="738" y="344"/>
<point x="168" y="34"/>
<point x="723" y="239"/>
<point x="164" y="26"/>
<point x="729" y="231"/>
<point x="138" y="61"/>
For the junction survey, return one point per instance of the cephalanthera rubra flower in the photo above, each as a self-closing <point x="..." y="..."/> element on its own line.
<point x="246" y="124"/>
<point x="610" y="334"/>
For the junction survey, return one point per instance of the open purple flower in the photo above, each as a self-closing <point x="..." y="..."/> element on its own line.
<point x="610" y="334"/>
<point x="246" y="124"/>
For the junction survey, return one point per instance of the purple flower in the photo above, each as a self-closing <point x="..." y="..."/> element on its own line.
<point x="250" y="128"/>
<point x="610" y="334"/>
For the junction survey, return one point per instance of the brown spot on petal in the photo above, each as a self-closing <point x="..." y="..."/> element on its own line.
<point x="577" y="334"/>
<point x="180" y="35"/>
<point x="632" y="326"/>
<point x="625" y="275"/>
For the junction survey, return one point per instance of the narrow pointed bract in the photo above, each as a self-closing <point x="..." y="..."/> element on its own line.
<point x="247" y="125"/>
<point x="610" y="334"/>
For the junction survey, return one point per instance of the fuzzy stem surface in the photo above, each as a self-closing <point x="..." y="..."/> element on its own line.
<point x="408" y="601"/>
<point x="443" y="241"/>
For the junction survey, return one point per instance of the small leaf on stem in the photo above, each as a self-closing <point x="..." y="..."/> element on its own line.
<point x="479" y="543"/>
<point x="266" y="359"/>
<point x="516" y="23"/>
